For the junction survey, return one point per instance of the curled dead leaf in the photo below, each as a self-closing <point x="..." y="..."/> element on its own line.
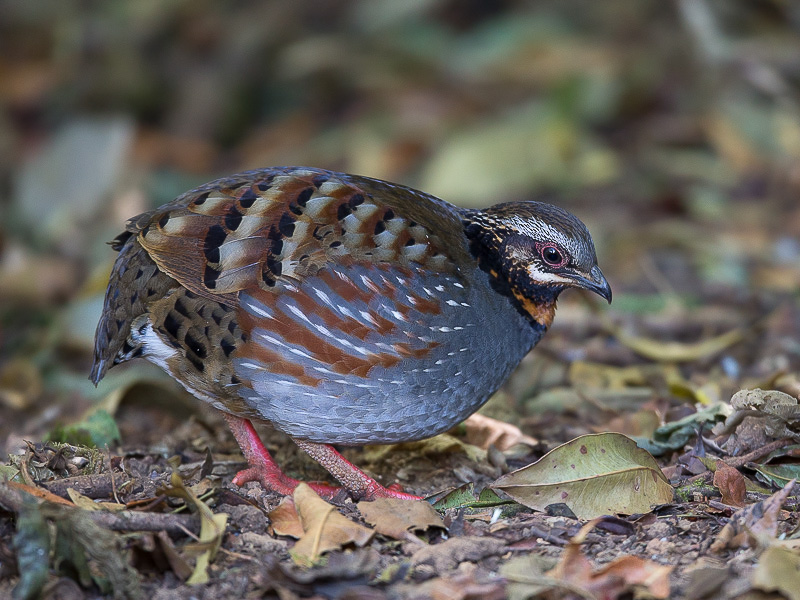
<point x="212" y="528"/>
<point x="483" y="431"/>
<point x="324" y="527"/>
<point x="759" y="520"/>
<point x="284" y="519"/>
<point x="730" y="483"/>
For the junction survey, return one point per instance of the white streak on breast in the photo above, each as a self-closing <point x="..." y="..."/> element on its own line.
<point x="345" y="311"/>
<point x="297" y="312"/>
<point x="359" y="349"/>
<point x="258" y="310"/>
<point x="324" y="297"/>
<point x="369" y="284"/>
<point x="272" y="340"/>
<point x="367" y="317"/>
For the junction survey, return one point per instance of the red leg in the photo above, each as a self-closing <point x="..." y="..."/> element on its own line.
<point x="359" y="484"/>
<point x="263" y="467"/>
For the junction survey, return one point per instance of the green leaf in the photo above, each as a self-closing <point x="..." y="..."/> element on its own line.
<point x="594" y="475"/>
<point x="464" y="497"/>
<point x="98" y="430"/>
<point x="675" y="435"/>
<point x="778" y="475"/>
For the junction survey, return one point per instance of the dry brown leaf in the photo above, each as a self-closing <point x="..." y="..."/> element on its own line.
<point x="447" y="555"/>
<point x="642" y="423"/>
<point x="212" y="528"/>
<point x="439" y="444"/>
<point x="284" y="520"/>
<point x="621" y="576"/>
<point x="778" y="413"/>
<point x="483" y="431"/>
<point x="759" y="520"/>
<point x="634" y="572"/>
<point x="397" y="518"/>
<point x="461" y="586"/>
<point x="179" y="565"/>
<point x="705" y="577"/>
<point x="573" y="567"/>
<point x="589" y="375"/>
<point x="730" y="483"/>
<point x="325" y="528"/>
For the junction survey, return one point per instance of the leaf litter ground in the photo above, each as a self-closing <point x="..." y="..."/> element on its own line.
<point x="672" y="131"/>
<point x="724" y="454"/>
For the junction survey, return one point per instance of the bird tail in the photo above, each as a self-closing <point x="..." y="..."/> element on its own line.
<point x="123" y="303"/>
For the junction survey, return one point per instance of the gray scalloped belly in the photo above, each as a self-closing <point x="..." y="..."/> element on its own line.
<point x="471" y="353"/>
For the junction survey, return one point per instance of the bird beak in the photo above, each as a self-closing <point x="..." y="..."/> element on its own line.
<point x="595" y="282"/>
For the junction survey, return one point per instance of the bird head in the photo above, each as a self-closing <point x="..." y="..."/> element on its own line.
<point x="533" y="251"/>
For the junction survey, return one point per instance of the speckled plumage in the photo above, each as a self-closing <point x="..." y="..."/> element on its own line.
<point x="342" y="309"/>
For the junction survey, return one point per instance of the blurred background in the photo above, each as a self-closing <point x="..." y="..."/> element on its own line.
<point x="672" y="128"/>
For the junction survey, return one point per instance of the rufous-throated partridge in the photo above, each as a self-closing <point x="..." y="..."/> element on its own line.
<point x="340" y="309"/>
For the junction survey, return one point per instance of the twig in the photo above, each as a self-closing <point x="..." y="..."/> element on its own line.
<point x="126" y="520"/>
<point x="739" y="461"/>
<point x="113" y="482"/>
<point x="95" y="486"/>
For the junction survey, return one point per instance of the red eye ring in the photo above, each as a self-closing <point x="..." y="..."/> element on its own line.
<point x="552" y="255"/>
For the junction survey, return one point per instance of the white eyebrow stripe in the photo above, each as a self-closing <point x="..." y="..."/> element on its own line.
<point x="544" y="277"/>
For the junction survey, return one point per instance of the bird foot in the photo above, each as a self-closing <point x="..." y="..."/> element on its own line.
<point x="393" y="491"/>
<point x="276" y="481"/>
<point x="265" y="470"/>
<point x="360" y="485"/>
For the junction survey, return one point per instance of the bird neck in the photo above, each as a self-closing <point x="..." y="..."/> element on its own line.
<point x="536" y="303"/>
<point x="540" y="312"/>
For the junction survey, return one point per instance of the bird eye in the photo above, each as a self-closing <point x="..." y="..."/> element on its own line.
<point x="552" y="256"/>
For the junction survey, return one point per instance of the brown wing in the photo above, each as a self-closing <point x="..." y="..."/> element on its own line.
<point x="271" y="227"/>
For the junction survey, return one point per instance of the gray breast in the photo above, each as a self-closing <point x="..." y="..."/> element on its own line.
<point x="448" y="361"/>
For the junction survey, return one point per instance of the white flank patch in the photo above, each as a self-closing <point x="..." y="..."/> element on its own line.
<point x="156" y="350"/>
